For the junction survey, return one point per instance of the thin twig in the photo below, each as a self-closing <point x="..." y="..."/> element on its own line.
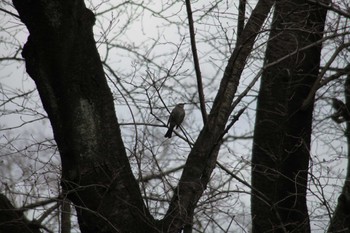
<point x="10" y="13"/>
<point x="319" y="83"/>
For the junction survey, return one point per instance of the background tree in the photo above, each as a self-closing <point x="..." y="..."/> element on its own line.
<point x="341" y="217"/>
<point x="147" y="73"/>
<point x="282" y="132"/>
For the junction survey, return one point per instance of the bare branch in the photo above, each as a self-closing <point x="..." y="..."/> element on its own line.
<point x="196" y="61"/>
<point x="241" y="17"/>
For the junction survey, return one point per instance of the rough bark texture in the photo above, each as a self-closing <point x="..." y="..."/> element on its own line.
<point x="62" y="59"/>
<point x="340" y="221"/>
<point x="13" y="220"/>
<point x="283" y="129"/>
<point x="66" y="213"/>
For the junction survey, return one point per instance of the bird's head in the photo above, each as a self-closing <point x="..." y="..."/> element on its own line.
<point x="181" y="105"/>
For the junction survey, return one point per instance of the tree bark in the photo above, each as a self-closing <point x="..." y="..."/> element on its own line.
<point x="65" y="216"/>
<point x="13" y="220"/>
<point x="282" y="132"/>
<point x="62" y="59"/>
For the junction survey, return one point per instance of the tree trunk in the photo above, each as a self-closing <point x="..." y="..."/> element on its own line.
<point x="65" y="216"/>
<point x="283" y="128"/>
<point x="13" y="220"/>
<point x="62" y="59"/>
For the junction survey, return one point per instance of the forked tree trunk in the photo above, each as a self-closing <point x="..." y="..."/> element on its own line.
<point x="283" y="128"/>
<point x="62" y="58"/>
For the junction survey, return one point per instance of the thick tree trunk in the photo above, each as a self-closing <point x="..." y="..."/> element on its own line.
<point x="340" y="221"/>
<point x="62" y="59"/>
<point x="283" y="128"/>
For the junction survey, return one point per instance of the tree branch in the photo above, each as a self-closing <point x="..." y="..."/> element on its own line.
<point x="331" y="6"/>
<point x="202" y="158"/>
<point x="196" y="62"/>
<point x="10" y="13"/>
<point x="13" y="220"/>
<point x="241" y="17"/>
<point x="319" y="83"/>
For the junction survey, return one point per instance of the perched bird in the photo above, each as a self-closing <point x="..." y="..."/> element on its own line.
<point x="176" y="117"/>
<point x="341" y="111"/>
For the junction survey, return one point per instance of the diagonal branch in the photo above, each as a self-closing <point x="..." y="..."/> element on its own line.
<point x="332" y="7"/>
<point x="241" y="17"/>
<point x="13" y="220"/>
<point x="202" y="159"/>
<point x="319" y="82"/>
<point x="340" y="221"/>
<point x="196" y="61"/>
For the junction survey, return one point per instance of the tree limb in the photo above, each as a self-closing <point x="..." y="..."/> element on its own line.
<point x="202" y="159"/>
<point x="196" y="62"/>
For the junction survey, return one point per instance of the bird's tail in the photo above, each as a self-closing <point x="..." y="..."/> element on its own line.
<point x="169" y="132"/>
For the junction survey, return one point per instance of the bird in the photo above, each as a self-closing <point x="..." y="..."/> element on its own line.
<point x="175" y="119"/>
<point x="341" y="111"/>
